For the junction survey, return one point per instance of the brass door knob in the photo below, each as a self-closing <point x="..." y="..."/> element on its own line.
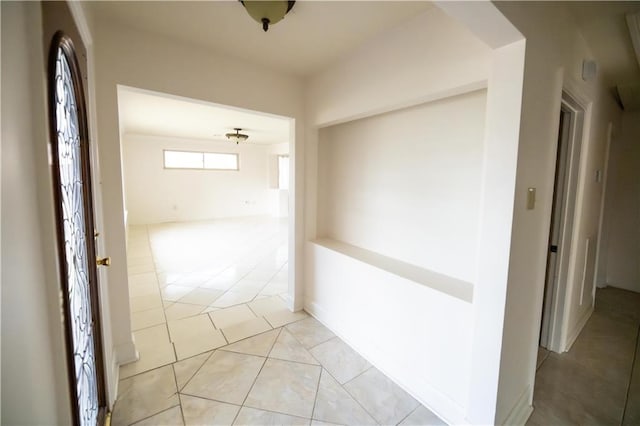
<point x="105" y="261"/>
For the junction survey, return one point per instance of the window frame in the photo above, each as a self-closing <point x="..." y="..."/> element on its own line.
<point x="202" y="154"/>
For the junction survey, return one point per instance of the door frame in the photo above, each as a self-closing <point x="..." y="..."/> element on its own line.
<point x="555" y="292"/>
<point x="110" y="366"/>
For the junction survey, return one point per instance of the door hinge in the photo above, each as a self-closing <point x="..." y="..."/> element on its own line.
<point x="553" y="249"/>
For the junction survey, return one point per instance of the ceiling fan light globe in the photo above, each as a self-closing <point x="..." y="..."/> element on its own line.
<point x="267" y="13"/>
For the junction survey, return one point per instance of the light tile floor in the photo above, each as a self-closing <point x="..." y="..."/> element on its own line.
<point x="219" y="347"/>
<point x="592" y="383"/>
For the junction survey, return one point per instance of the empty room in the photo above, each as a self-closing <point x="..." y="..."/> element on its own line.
<point x="206" y="206"/>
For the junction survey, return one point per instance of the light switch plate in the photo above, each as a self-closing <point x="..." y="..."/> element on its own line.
<point x="531" y="198"/>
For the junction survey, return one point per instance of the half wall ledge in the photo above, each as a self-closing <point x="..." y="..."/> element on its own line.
<point x="453" y="287"/>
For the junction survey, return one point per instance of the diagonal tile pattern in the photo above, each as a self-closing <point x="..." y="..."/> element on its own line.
<point x="225" y="376"/>
<point x="252" y="416"/>
<point x="144" y="395"/>
<point x="340" y="360"/>
<point x="259" y="345"/>
<point x="170" y="417"/>
<point x="285" y="387"/>
<point x="388" y="404"/>
<point x="421" y="416"/>
<point x="310" y="332"/>
<point x="240" y="357"/>
<point x="289" y="349"/>
<point x="187" y="368"/>
<point x="335" y="405"/>
<point x="200" y="411"/>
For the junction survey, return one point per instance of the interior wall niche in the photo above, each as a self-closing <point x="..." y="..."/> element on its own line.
<point x="407" y="184"/>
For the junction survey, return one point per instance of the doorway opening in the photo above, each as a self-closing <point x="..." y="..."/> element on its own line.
<point x="209" y="224"/>
<point x="562" y="218"/>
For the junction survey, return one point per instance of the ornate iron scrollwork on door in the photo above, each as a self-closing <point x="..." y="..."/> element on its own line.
<point x="75" y="229"/>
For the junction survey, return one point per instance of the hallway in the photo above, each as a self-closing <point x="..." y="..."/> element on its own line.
<point x="598" y="381"/>
<point x="218" y="346"/>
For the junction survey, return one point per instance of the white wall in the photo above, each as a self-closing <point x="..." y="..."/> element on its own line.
<point x="406" y="184"/>
<point x="554" y="54"/>
<point x="415" y="334"/>
<point x="155" y="194"/>
<point x="401" y="68"/>
<point x="35" y="387"/>
<point x="622" y="209"/>
<point x="149" y="61"/>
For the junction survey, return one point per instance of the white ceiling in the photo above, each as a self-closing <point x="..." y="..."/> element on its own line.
<point x="313" y="35"/>
<point x="148" y="113"/>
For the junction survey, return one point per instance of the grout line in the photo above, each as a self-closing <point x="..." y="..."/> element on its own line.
<point x="175" y="380"/>
<point x="225" y="338"/>
<point x="277" y="412"/>
<point x="197" y="370"/>
<point x="155" y="414"/>
<point x="271" y="349"/>
<point x="355" y="399"/>
<point x="325" y="341"/>
<point x="295" y="362"/>
<point x="268" y="322"/>
<point x="633" y="370"/>
<point x="147" y="371"/>
<point x="315" y="400"/>
<point x="144" y="310"/>
<point x="360" y="374"/>
<point x="210" y="399"/>
<point x="253" y="312"/>
<point x="173" y="345"/>
<point x="184" y="422"/>
<point x="147" y="327"/>
<point x="274" y="342"/>
<point x="349" y="393"/>
<point x="251" y="388"/>
<point x="222" y="348"/>
<point x="211" y="320"/>
<point x="293" y="335"/>
<point x="287" y="323"/>
<point x="155" y="270"/>
<point x="405" y="417"/>
<point x="173" y="302"/>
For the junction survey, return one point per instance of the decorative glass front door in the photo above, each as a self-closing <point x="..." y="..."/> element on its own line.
<point x="72" y="189"/>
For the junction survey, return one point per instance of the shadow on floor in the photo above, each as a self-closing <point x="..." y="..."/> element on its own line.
<point x="598" y="380"/>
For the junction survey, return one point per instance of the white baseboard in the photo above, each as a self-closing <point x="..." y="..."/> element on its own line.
<point x="288" y="300"/>
<point x="115" y="379"/>
<point x="126" y="352"/>
<point x="577" y="330"/>
<point x="521" y="410"/>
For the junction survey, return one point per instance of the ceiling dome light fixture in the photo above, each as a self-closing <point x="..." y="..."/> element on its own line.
<point x="237" y="137"/>
<point x="267" y="12"/>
